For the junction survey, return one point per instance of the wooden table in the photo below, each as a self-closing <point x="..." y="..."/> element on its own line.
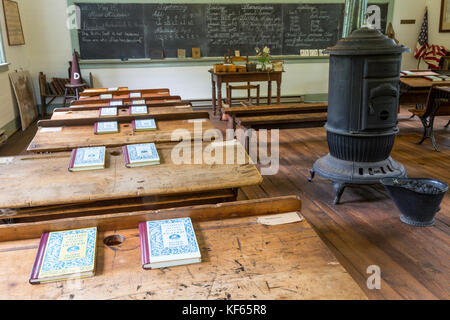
<point x="272" y="110"/>
<point x="44" y="180"/>
<point x="415" y="90"/>
<point x="219" y="78"/>
<point x="69" y="137"/>
<point x="241" y="258"/>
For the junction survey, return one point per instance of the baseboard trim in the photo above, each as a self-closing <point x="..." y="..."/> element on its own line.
<point x="12" y="127"/>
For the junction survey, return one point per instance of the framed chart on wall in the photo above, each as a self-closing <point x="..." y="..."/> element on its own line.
<point x="444" y="25"/>
<point x="13" y="23"/>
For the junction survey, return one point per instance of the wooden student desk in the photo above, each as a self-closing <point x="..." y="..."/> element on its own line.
<point x="44" y="180"/>
<point x="69" y="117"/>
<point x="241" y="258"/>
<point x="219" y="78"/>
<point x="66" y="138"/>
<point x="416" y="90"/>
<point x="126" y="94"/>
<point x="126" y="101"/>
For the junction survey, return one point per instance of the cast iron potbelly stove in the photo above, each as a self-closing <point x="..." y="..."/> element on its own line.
<point x="362" y="111"/>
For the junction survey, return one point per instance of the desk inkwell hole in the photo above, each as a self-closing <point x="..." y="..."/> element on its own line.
<point x="126" y="126"/>
<point x="124" y="110"/>
<point x="115" y="153"/>
<point x="114" y="240"/>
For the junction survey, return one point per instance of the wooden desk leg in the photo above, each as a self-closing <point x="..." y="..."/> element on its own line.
<point x="269" y="92"/>
<point x="278" y="91"/>
<point x="214" y="102"/>
<point x="219" y="96"/>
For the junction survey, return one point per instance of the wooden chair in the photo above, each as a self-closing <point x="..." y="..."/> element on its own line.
<point x="247" y="87"/>
<point x="438" y="104"/>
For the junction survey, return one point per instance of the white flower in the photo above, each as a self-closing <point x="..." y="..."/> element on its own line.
<point x="266" y="50"/>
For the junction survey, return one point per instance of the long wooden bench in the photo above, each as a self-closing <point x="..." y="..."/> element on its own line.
<point x="268" y="110"/>
<point x="299" y="115"/>
<point x="438" y="104"/>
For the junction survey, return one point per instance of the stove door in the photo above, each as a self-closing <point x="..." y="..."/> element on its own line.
<point x="380" y="103"/>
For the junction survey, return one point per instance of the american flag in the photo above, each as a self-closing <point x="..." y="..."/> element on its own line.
<point x="433" y="55"/>
<point x="422" y="43"/>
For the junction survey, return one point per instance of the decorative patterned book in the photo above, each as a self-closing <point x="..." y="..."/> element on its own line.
<point x="168" y="243"/>
<point x="135" y="95"/>
<point x="65" y="255"/>
<point x="434" y="78"/>
<point x="106" y="96"/>
<point x="139" y="155"/>
<point x="138" y="110"/>
<point x="105" y="112"/>
<point x="87" y="159"/>
<point x="116" y="103"/>
<point x="106" y="127"/>
<point x="144" y="125"/>
<point x="138" y="102"/>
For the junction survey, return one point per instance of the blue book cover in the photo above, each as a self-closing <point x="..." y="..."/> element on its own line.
<point x="145" y="124"/>
<point x="88" y="158"/>
<point x="106" y="127"/>
<point x="138" y="110"/>
<point x="108" y="111"/>
<point x="169" y="242"/>
<point x="65" y="254"/>
<point x="142" y="154"/>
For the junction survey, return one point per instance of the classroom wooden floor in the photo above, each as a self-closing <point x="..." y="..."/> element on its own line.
<point x="365" y="229"/>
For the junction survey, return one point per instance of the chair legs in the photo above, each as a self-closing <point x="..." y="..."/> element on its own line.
<point x="428" y="132"/>
<point x="448" y="123"/>
<point x="249" y="97"/>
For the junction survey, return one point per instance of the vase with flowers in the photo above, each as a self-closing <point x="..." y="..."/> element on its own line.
<point x="263" y="56"/>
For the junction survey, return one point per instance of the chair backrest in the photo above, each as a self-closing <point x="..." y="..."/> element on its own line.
<point x="239" y="59"/>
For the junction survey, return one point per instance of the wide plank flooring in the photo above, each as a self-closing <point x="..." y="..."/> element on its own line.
<point x="365" y="229"/>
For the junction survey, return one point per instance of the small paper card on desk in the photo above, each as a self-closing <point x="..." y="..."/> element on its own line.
<point x="139" y="155"/>
<point x="138" y="110"/>
<point x="144" y="125"/>
<point x="54" y="129"/>
<point x="104" y="112"/>
<point x="135" y="94"/>
<point x="113" y="89"/>
<point x="138" y="102"/>
<point x="106" y="127"/>
<point x="65" y="255"/>
<point x="282" y="218"/>
<point x="168" y="243"/>
<point x="116" y="103"/>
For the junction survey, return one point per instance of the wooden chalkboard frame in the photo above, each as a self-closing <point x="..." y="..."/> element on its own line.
<point x="11" y="40"/>
<point x="168" y="62"/>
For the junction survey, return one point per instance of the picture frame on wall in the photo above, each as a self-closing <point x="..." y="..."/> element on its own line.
<point x="444" y="25"/>
<point x="13" y="23"/>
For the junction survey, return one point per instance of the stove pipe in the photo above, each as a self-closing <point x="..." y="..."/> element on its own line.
<point x="362" y="111"/>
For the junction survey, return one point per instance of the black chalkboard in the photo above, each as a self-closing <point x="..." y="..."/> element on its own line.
<point x="133" y="30"/>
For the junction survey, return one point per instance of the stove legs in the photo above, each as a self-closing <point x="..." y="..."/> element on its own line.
<point x="313" y="174"/>
<point x="338" y="191"/>
<point x="339" y="187"/>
